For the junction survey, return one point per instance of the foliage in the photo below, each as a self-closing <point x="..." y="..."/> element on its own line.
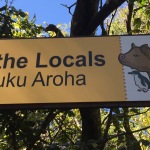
<point x="61" y="129"/>
<point x="64" y="30"/>
<point x="15" y="24"/>
<point x="140" y="22"/>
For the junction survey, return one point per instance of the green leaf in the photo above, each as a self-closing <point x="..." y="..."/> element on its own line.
<point x="22" y="14"/>
<point x="137" y="22"/>
<point x="13" y="8"/>
<point x="70" y="113"/>
<point x="145" y="142"/>
<point x="3" y="8"/>
<point x="94" y="145"/>
<point x="116" y="110"/>
<point x="135" y="110"/>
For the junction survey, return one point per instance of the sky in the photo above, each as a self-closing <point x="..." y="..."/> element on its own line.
<point x="50" y="11"/>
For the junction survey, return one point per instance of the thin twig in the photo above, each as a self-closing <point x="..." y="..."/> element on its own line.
<point x="108" y="123"/>
<point x="60" y="124"/>
<point x="45" y="124"/>
<point x="107" y="128"/>
<point x="120" y="115"/>
<point x="101" y="4"/>
<point x="69" y="7"/>
<point x="113" y="15"/>
<point x="121" y="134"/>
<point x="103" y="29"/>
<point x="136" y="9"/>
<point x="105" y="119"/>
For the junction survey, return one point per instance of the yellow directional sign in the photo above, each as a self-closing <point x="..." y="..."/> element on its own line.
<point x="62" y="70"/>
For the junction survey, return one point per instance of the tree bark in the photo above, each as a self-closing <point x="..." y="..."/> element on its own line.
<point x="86" y="17"/>
<point x="91" y="124"/>
<point x="84" y="13"/>
<point x="131" y="141"/>
<point x="85" y="20"/>
<point x="129" y="17"/>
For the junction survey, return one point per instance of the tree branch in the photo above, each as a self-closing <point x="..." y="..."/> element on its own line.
<point x="129" y="17"/>
<point x="135" y="10"/>
<point x="105" y="119"/>
<point x="48" y="119"/>
<point x="101" y="4"/>
<point x="85" y="11"/>
<point x="53" y="28"/>
<point x="63" y="131"/>
<point x="106" y="10"/>
<point x="113" y="15"/>
<point x="106" y="129"/>
<point x="123" y="115"/>
<point x="103" y="29"/>
<point x="69" y="7"/>
<point x="108" y="123"/>
<point x="121" y="134"/>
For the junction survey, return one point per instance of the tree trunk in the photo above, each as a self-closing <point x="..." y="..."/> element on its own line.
<point x="91" y="124"/>
<point x="84" y="12"/>
<point x="85" y="20"/>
